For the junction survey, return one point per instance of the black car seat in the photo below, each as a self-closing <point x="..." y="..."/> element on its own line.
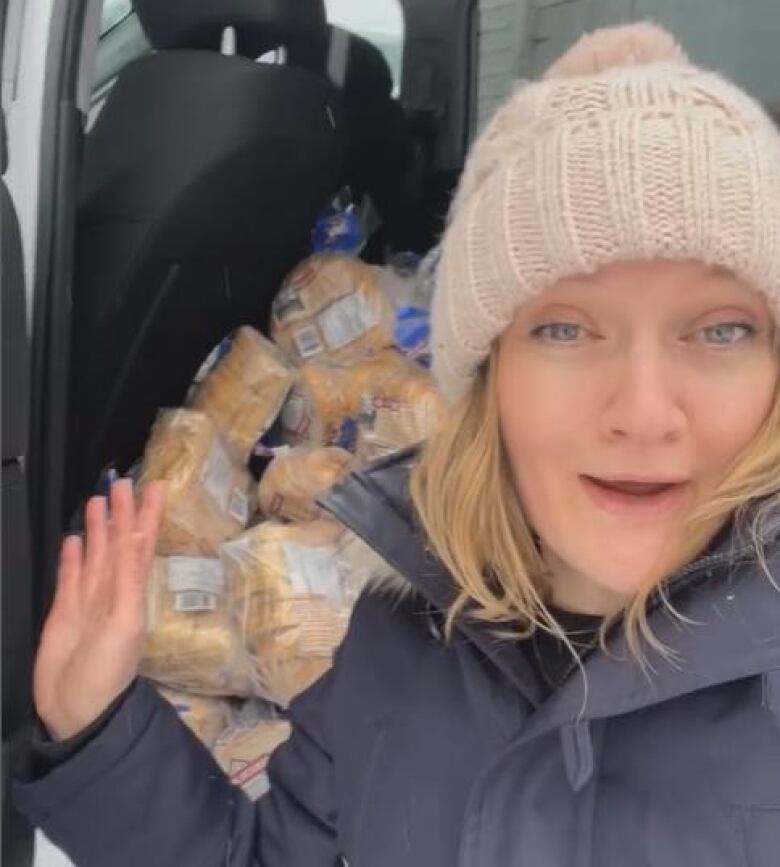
<point x="379" y="144"/>
<point x="202" y="178"/>
<point x="380" y="147"/>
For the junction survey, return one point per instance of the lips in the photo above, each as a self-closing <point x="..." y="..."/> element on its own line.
<point x="639" y="489"/>
<point x="635" y="499"/>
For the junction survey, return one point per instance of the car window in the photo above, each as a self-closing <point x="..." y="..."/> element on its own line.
<point x="122" y="40"/>
<point x="114" y="12"/>
<point x="380" y="22"/>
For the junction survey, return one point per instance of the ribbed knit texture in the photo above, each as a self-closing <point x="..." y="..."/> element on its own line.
<point x="624" y="150"/>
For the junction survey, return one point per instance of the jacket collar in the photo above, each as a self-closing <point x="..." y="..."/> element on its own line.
<point x="731" y="609"/>
<point x="374" y="504"/>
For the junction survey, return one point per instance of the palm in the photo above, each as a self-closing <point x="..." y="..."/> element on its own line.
<point x="92" y="640"/>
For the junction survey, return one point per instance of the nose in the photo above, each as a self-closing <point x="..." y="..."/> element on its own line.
<point x="643" y="403"/>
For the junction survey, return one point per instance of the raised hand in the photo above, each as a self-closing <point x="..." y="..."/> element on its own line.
<point x="92" y="641"/>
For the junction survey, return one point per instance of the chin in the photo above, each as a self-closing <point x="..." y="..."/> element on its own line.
<point x="619" y="585"/>
<point x="623" y="572"/>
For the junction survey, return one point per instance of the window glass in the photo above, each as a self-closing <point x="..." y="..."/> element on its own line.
<point x="379" y="21"/>
<point x="114" y="12"/>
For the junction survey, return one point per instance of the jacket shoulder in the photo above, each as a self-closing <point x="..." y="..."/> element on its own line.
<point x="389" y="632"/>
<point x="389" y="478"/>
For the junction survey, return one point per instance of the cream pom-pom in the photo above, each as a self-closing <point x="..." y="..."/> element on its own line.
<point x="611" y="47"/>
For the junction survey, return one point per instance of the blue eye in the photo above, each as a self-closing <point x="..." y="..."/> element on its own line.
<point x="566" y="332"/>
<point x="724" y="332"/>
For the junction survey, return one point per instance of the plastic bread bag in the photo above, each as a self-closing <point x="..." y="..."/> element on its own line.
<point x="426" y="277"/>
<point x="331" y="307"/>
<point x="327" y="400"/>
<point x="397" y="415"/>
<point x="293" y="596"/>
<point x="264" y="618"/>
<point x="316" y="407"/>
<point x="294" y="478"/>
<point x="209" y="363"/>
<point x="408" y="279"/>
<point x="339" y="229"/>
<point x="408" y="282"/>
<point x="244" y="391"/>
<point x="243" y="749"/>
<point x="412" y="333"/>
<point x="204" y="716"/>
<point x="193" y="640"/>
<point x="208" y="493"/>
<point x="398" y="278"/>
<point x="395" y="403"/>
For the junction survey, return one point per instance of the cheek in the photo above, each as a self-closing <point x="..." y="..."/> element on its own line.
<point x="542" y="431"/>
<point x="725" y="432"/>
<point x="540" y="420"/>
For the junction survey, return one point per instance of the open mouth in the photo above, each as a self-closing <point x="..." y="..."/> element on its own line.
<point x="637" y="498"/>
<point x="637" y="489"/>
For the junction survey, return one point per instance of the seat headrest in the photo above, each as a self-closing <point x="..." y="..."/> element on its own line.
<point x="260" y="25"/>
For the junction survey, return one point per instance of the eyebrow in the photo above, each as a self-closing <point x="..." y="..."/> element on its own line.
<point x="723" y="271"/>
<point x="550" y="307"/>
<point x="696" y="310"/>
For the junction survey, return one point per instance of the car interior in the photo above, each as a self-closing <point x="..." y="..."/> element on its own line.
<point x="183" y="187"/>
<point x="200" y="181"/>
<point x="188" y="148"/>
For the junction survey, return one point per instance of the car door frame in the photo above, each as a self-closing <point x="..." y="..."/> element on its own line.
<point x="42" y="66"/>
<point x="16" y="607"/>
<point x="439" y="74"/>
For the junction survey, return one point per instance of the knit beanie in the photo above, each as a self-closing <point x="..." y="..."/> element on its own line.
<point x="623" y="150"/>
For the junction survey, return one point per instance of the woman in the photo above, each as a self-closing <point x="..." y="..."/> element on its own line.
<point x="579" y="662"/>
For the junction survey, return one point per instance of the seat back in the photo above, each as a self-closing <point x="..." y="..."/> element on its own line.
<point x="202" y="178"/>
<point x="380" y="148"/>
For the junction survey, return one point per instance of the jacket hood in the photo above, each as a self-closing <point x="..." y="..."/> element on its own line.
<point x="731" y="609"/>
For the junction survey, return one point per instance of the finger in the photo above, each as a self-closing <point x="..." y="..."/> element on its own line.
<point x="131" y="575"/>
<point x="122" y="510"/>
<point x="148" y="520"/>
<point x="135" y="562"/>
<point x="66" y="594"/>
<point x="96" y="551"/>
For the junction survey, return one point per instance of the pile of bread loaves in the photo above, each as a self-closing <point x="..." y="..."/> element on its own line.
<point x="253" y="584"/>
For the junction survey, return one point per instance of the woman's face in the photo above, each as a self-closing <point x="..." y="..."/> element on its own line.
<point x="646" y="371"/>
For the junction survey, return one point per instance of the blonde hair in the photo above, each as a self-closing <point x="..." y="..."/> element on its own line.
<point x="466" y="500"/>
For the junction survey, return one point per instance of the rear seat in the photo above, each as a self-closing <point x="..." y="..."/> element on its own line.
<point x="201" y="180"/>
<point x="379" y="144"/>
